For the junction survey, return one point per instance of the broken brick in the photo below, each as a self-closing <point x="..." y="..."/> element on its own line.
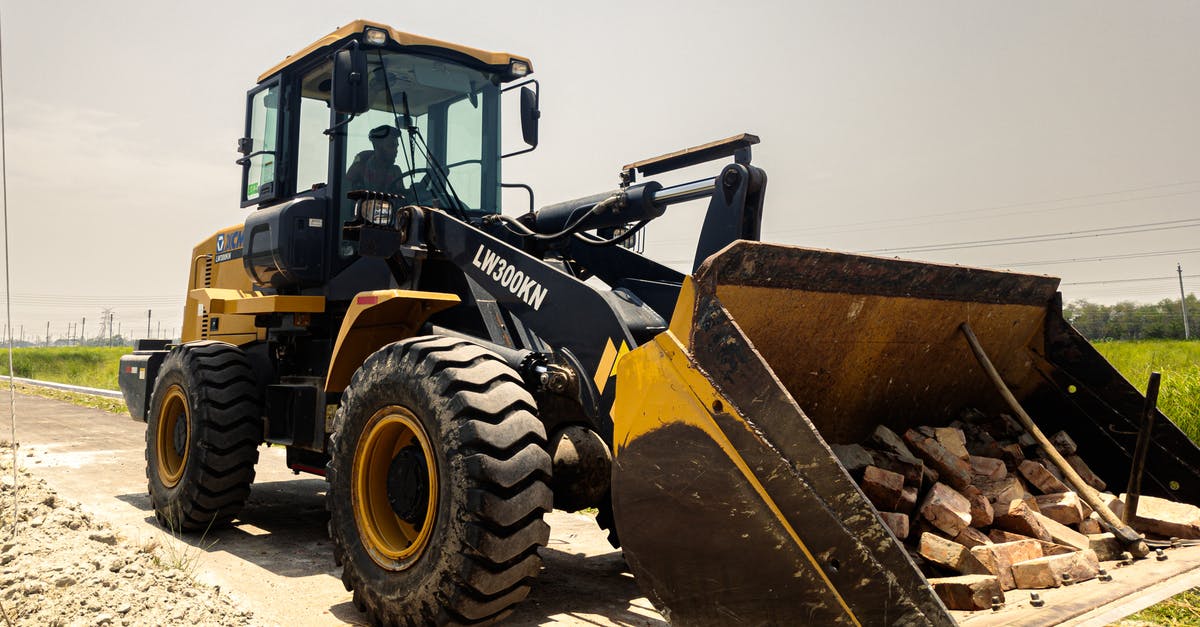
<point x="971" y="537"/>
<point x="1040" y="478"/>
<point x="946" y="509"/>
<point x="1085" y="472"/>
<point x="967" y="592"/>
<point x="988" y="468"/>
<point x="1049" y="572"/>
<point x="1161" y="517"/>
<point x="998" y="558"/>
<point x="853" y="457"/>
<point x="898" y="523"/>
<point x="1063" y="507"/>
<point x="1019" y="518"/>
<point x="912" y="468"/>
<point x="952" y="440"/>
<point x="883" y="488"/>
<point x="1062" y="534"/>
<point x="949" y="554"/>
<point x="950" y="469"/>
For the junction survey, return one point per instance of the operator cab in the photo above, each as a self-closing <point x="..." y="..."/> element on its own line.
<point x="423" y="128"/>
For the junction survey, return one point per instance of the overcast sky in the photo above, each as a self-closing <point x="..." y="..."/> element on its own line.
<point x="898" y="128"/>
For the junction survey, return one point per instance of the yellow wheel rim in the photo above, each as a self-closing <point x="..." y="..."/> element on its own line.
<point x="174" y="436"/>
<point x="391" y="540"/>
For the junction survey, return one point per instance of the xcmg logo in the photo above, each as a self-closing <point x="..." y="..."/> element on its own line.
<point x="510" y="278"/>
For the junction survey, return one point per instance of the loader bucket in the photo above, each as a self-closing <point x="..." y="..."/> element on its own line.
<point x="730" y="505"/>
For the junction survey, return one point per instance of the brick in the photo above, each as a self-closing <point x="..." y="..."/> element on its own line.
<point x="971" y="537"/>
<point x="908" y="500"/>
<point x="1085" y="472"/>
<point x="1012" y="455"/>
<point x="952" y="440"/>
<point x="897" y="522"/>
<point x="1064" y="443"/>
<point x="887" y="440"/>
<point x="1018" y="518"/>
<point x="951" y="470"/>
<point x="1161" y="517"/>
<point x="982" y="514"/>
<point x="1011" y="426"/>
<point x="853" y="457"/>
<point x="988" y="468"/>
<point x="1091" y="525"/>
<point x="1048" y="572"/>
<point x="1062" y="534"/>
<point x="1026" y="440"/>
<point x="1040" y="478"/>
<point x="946" y="509"/>
<point x="999" y="536"/>
<point x="977" y="438"/>
<point x="998" y="558"/>
<point x="1063" y="507"/>
<point x="1106" y="546"/>
<point x="1001" y="492"/>
<point x="967" y="592"/>
<point x="912" y="468"/>
<point x="949" y="554"/>
<point x="883" y="488"/>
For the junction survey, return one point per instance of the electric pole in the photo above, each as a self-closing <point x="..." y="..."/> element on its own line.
<point x="1187" y="332"/>
<point x="82" y="330"/>
<point x="110" y="328"/>
<point x="147" y="323"/>
<point x="47" y="334"/>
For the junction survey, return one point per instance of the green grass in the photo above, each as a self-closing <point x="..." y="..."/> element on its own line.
<point x="1179" y="363"/>
<point x="90" y="366"/>
<point x="1179" y="399"/>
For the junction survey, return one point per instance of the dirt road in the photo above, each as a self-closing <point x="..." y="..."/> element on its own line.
<point x="277" y="560"/>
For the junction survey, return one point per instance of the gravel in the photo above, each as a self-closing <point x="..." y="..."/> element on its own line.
<point x="63" y="568"/>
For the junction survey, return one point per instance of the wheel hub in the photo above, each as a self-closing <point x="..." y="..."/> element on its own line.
<point x="408" y="485"/>
<point x="179" y="437"/>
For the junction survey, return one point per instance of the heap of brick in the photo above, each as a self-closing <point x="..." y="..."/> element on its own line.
<point x="982" y="511"/>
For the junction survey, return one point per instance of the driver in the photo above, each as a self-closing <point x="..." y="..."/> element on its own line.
<point x="376" y="170"/>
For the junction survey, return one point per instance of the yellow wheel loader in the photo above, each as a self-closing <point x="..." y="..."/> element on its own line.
<point x="456" y="372"/>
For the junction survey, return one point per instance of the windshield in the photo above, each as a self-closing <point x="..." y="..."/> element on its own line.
<point x="431" y="135"/>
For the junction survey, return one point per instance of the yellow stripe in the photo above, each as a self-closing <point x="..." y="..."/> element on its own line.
<point x="659" y="384"/>
<point x="607" y="363"/>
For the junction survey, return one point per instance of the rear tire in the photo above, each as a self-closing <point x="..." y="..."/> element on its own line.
<point x="202" y="436"/>
<point x="437" y="485"/>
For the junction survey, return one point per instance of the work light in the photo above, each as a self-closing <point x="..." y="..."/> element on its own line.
<point x="377" y="211"/>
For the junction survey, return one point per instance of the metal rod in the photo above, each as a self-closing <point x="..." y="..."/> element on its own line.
<point x="1123" y="532"/>
<point x="684" y="192"/>
<point x="1133" y="491"/>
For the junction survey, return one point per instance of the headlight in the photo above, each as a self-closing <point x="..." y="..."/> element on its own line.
<point x="377" y="211"/>
<point x="518" y="68"/>
<point x="375" y="37"/>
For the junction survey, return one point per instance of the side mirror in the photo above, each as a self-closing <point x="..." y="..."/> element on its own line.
<point x="350" y="81"/>
<point x="529" y="116"/>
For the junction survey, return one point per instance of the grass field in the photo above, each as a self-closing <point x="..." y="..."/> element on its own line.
<point x="90" y="366"/>
<point x="1179" y="363"/>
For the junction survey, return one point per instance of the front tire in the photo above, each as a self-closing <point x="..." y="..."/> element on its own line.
<point x="202" y="436"/>
<point x="437" y="485"/>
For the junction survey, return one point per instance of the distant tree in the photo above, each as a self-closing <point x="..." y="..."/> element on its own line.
<point x="1128" y="320"/>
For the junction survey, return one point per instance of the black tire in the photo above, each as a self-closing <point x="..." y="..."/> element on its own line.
<point x="470" y="436"/>
<point x="206" y="406"/>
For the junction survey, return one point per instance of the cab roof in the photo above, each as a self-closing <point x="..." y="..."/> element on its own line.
<point x="494" y="60"/>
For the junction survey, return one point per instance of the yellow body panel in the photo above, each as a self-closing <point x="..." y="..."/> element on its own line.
<point x="377" y="318"/>
<point x="205" y="273"/>
<point x="227" y="301"/>
<point x="404" y="39"/>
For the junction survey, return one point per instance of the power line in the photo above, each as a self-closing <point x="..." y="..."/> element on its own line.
<point x="1140" y="280"/>
<point x="1046" y="237"/>
<point x="1051" y="262"/>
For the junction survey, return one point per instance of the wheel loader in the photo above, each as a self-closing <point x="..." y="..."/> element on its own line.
<point x="456" y="372"/>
